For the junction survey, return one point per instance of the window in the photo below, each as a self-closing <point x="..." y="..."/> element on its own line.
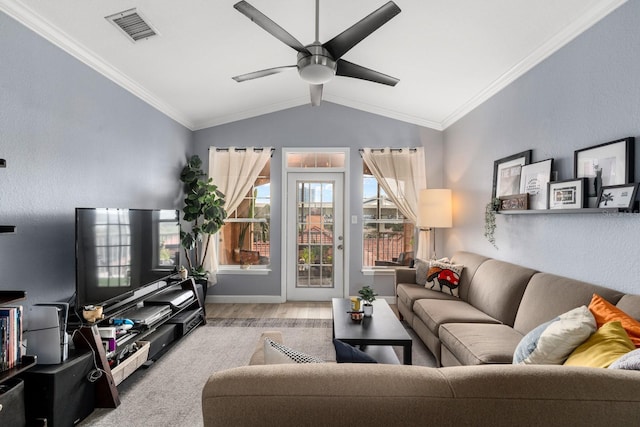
<point x="387" y="235"/>
<point x="167" y="242"/>
<point x="113" y="247"/>
<point x="245" y="236"/>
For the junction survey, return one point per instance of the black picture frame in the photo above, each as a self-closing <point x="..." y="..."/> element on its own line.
<point x="611" y="163"/>
<point x="507" y="185"/>
<point x="567" y="194"/>
<point x="621" y="196"/>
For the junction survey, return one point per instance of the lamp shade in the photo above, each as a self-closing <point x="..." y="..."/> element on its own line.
<point x="434" y="209"/>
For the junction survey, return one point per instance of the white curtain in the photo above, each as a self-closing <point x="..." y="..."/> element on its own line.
<point x="234" y="172"/>
<point x="402" y="175"/>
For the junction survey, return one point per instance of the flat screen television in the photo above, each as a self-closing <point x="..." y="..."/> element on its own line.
<point x="120" y="252"/>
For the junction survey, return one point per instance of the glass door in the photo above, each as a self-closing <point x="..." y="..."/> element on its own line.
<point x="315" y="243"/>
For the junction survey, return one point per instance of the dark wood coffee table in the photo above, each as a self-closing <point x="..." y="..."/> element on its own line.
<point x="383" y="328"/>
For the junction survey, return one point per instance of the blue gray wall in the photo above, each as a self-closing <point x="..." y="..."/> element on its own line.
<point x="71" y="139"/>
<point x="329" y="125"/>
<point x="585" y="94"/>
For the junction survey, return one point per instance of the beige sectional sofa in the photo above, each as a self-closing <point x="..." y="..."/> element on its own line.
<point x="499" y="303"/>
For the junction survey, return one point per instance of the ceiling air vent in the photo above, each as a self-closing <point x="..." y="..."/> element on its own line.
<point x="132" y="24"/>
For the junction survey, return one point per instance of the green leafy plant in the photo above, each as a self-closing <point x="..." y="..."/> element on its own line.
<point x="203" y="209"/>
<point x="490" y="220"/>
<point x="367" y="294"/>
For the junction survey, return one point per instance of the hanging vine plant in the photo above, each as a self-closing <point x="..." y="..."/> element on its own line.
<point x="490" y="220"/>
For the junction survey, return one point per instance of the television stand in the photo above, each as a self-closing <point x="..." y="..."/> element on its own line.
<point x="162" y="334"/>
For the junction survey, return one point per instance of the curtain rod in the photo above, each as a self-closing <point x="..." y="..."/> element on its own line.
<point x="411" y="150"/>
<point x="242" y="149"/>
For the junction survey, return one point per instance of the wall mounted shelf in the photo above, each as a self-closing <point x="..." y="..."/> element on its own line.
<point x="565" y="211"/>
<point x="7" y="228"/>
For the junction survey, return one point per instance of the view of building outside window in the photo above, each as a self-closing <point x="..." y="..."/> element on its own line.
<point x="387" y="235"/>
<point x="245" y="236"/>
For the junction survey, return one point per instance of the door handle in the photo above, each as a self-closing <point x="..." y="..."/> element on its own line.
<point x="340" y="247"/>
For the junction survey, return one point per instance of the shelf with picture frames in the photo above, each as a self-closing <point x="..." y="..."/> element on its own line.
<point x="603" y="211"/>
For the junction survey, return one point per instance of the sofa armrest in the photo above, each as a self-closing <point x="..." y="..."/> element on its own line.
<point x="405" y="275"/>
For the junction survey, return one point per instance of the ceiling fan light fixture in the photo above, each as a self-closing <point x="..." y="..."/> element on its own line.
<point x="317" y="74"/>
<point x="317" y="68"/>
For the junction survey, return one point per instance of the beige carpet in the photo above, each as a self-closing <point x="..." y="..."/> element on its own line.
<point x="168" y="393"/>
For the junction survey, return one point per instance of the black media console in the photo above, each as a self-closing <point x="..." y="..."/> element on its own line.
<point x="160" y="319"/>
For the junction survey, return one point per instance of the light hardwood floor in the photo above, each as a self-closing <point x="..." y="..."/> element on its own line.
<point x="287" y="310"/>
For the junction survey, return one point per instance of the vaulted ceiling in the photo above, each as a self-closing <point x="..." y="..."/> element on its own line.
<point x="449" y="55"/>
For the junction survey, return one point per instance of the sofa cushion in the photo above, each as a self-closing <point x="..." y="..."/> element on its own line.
<point x="604" y="347"/>
<point x="552" y="342"/>
<point x="408" y="294"/>
<point x="605" y="312"/>
<point x="346" y="353"/>
<point x="276" y="353"/>
<point x="497" y="289"/>
<point x="471" y="263"/>
<point x="434" y="313"/>
<point x="630" y="304"/>
<point x="630" y="361"/>
<point x="444" y="277"/>
<point x="548" y="296"/>
<point x="480" y="343"/>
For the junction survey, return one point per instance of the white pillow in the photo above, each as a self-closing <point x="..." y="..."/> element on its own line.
<point x="552" y="342"/>
<point x="276" y="353"/>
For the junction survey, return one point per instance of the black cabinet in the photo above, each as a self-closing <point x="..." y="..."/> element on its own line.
<point x="62" y="394"/>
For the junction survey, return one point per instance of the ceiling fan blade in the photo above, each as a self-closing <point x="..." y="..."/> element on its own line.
<point x="343" y="42"/>
<point x="262" y="73"/>
<point x="349" y="69"/>
<point x="268" y="25"/>
<point x="316" y="94"/>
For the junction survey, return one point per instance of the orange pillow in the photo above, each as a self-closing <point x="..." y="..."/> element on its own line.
<point x="605" y="312"/>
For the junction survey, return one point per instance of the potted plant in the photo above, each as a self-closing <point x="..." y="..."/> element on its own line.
<point x="203" y="209"/>
<point x="490" y="220"/>
<point x="368" y="295"/>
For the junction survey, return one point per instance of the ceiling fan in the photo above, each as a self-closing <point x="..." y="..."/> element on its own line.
<point x="320" y="62"/>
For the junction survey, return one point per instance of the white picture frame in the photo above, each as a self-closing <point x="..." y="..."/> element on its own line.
<point x="534" y="178"/>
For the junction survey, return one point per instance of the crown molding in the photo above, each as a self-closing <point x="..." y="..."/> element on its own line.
<point x="254" y="112"/>
<point x="383" y="112"/>
<point x="569" y="33"/>
<point x="37" y="24"/>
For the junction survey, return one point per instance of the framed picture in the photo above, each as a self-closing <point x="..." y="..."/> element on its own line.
<point x="606" y="164"/>
<point x="533" y="180"/>
<point x="617" y="196"/>
<point x="569" y="194"/>
<point x="515" y="202"/>
<point x="506" y="174"/>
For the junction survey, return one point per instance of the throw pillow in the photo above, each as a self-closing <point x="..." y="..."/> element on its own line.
<point x="276" y="353"/>
<point x="552" y="342"/>
<point x="604" y="347"/>
<point x="421" y="271"/>
<point x="422" y="268"/>
<point x="346" y="353"/>
<point x="443" y="275"/>
<point x="629" y="361"/>
<point x="605" y="312"/>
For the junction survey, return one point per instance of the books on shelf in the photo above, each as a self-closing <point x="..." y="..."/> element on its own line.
<point x="10" y="337"/>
